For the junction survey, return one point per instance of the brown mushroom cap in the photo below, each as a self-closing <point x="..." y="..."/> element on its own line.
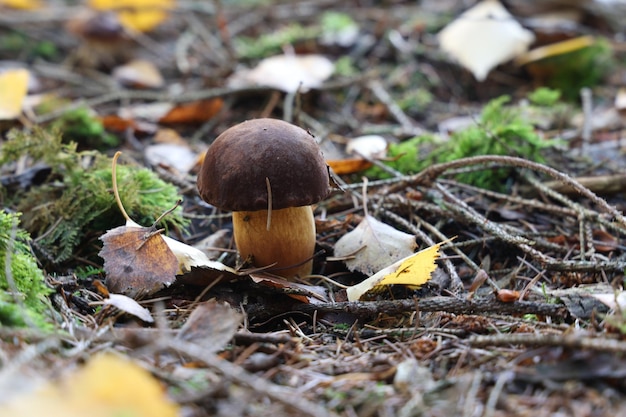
<point x="235" y="168"/>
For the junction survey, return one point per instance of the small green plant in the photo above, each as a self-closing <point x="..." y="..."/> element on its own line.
<point x="500" y="130"/>
<point x="271" y="43"/>
<point x="83" y="127"/>
<point x="544" y="97"/>
<point x="25" y="277"/>
<point x="75" y="205"/>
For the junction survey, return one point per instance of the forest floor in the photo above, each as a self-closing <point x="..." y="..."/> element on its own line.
<point x="523" y="315"/>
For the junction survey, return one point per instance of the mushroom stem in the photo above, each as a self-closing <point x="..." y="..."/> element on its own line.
<point x="288" y="244"/>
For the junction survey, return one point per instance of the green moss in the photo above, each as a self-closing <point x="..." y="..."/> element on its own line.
<point x="76" y="205"/>
<point x="272" y="43"/>
<point x="501" y="130"/>
<point x="544" y="97"/>
<point x="26" y="276"/>
<point x="83" y="127"/>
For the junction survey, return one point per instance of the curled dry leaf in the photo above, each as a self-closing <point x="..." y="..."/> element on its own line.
<point x="373" y="245"/>
<point x="139" y="73"/>
<point x="137" y="261"/>
<point x="483" y="37"/>
<point x="309" y="294"/>
<point x="211" y="325"/>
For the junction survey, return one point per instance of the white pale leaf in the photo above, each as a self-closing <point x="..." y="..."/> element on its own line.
<point x="287" y="73"/>
<point x="368" y="146"/>
<point x="612" y="300"/>
<point x="373" y="245"/>
<point x="484" y="37"/>
<point x="130" y="306"/>
<point x="355" y="292"/>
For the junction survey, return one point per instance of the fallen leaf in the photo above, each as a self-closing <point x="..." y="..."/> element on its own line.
<point x="373" y="245"/>
<point x="288" y="73"/>
<point x="107" y="386"/>
<point x="483" y="37"/>
<point x="21" y="4"/>
<point x="193" y="112"/>
<point x="139" y="73"/>
<point x="558" y="48"/>
<point x="179" y="157"/>
<point x="348" y="166"/>
<point x="413" y="270"/>
<point x="211" y="325"/>
<point x="128" y="305"/>
<point x="13" y="89"/>
<point x="368" y="146"/>
<point x="309" y="294"/>
<point x="137" y="261"/>
<point x="138" y="15"/>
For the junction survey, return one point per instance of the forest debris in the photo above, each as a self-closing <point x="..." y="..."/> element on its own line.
<point x="373" y="245"/>
<point x="483" y="37"/>
<point x="137" y="15"/>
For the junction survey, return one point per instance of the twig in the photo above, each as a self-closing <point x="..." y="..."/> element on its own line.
<point x="571" y="341"/>
<point x="262" y="386"/>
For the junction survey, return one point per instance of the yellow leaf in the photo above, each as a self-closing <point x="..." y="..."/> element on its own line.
<point x="13" y="89"/>
<point x="558" y="48"/>
<point x="108" y="386"/>
<point x="138" y="15"/>
<point x="21" y="4"/>
<point x="413" y="270"/>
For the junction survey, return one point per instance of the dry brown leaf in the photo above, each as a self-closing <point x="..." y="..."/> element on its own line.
<point x="373" y="245"/>
<point x="211" y="325"/>
<point x="137" y="261"/>
<point x="194" y="112"/>
<point x="309" y="294"/>
<point x="348" y="166"/>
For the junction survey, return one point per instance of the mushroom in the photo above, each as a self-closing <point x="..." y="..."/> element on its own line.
<point x="268" y="173"/>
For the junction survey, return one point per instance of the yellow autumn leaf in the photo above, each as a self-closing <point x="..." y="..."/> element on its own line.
<point x="13" y="89"/>
<point x="107" y="386"/>
<point x="414" y="270"/>
<point x="21" y="4"/>
<point x="137" y="15"/>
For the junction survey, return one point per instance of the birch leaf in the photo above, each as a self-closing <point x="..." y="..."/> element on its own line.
<point x="484" y="37"/>
<point x="413" y="270"/>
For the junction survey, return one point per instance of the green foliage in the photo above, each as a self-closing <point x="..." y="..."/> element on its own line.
<point x="26" y="276"/>
<point x="581" y="68"/>
<point x="82" y="126"/>
<point x="19" y="44"/>
<point x="544" y="97"/>
<point x="76" y="205"/>
<point x="501" y="130"/>
<point x="271" y="43"/>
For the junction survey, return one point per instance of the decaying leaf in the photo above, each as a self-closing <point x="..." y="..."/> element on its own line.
<point x="309" y="294"/>
<point x="193" y="112"/>
<point x="137" y="261"/>
<point x="413" y="270"/>
<point x="483" y="37"/>
<point x="107" y="386"/>
<point x="288" y="73"/>
<point x="211" y="325"/>
<point x="13" y="89"/>
<point x="128" y="305"/>
<point x="373" y="245"/>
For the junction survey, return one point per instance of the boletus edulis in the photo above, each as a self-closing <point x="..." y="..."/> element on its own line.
<point x="268" y="173"/>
